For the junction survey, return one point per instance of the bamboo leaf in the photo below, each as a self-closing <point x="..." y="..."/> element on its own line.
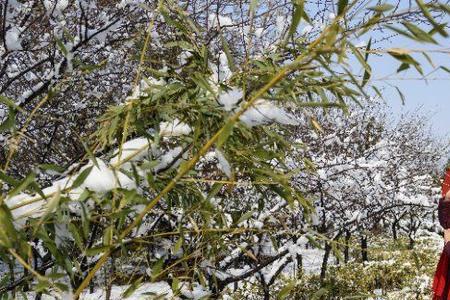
<point x="382" y="8"/>
<point x="22" y="185"/>
<point x="8" y="179"/>
<point x="320" y="294"/>
<point x="132" y="288"/>
<point x="76" y="236"/>
<point x="430" y="18"/>
<point x="245" y="217"/>
<point x="296" y="16"/>
<point x="363" y="61"/>
<point x="286" y="290"/>
<point x="227" y="131"/>
<point x="402" y="96"/>
<point x="419" y="33"/>
<point x="226" y="49"/>
<point x="81" y="177"/>
<point x="316" y="125"/>
<point x="10" y="121"/>
<point x="96" y="250"/>
<point x="8" y="233"/>
<point x="342" y="6"/>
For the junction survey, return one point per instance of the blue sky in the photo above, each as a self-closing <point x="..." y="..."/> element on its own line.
<point x="430" y="97"/>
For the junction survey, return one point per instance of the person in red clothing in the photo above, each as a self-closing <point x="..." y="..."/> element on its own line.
<point x="441" y="282"/>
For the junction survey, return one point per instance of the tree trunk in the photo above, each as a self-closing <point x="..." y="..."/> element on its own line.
<point x="324" y="267"/>
<point x="411" y="242"/>
<point x="347" y="248"/>
<point x="394" y="230"/>
<point x="364" y="255"/>
<point x="299" y="264"/>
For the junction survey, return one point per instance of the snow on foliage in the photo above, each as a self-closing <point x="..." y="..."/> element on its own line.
<point x="163" y="186"/>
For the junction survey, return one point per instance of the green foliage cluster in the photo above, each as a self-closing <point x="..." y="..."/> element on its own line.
<point x="400" y="273"/>
<point x="106" y="225"/>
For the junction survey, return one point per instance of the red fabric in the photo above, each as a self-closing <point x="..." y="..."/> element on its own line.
<point x="441" y="282"/>
<point x="446" y="183"/>
<point x="444" y="213"/>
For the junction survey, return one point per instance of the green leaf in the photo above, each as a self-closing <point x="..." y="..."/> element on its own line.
<point x="108" y="235"/>
<point x="363" y="61"/>
<point x="403" y="67"/>
<point x="22" y="185"/>
<point x="132" y="288"/>
<point x="319" y="294"/>
<point x="178" y="245"/>
<point x="403" y="56"/>
<point x="10" y="121"/>
<point x="226" y="49"/>
<point x="200" y="80"/>
<point x="175" y="285"/>
<point x="8" y="179"/>
<point x="401" y="32"/>
<point x="382" y="8"/>
<point x="378" y="92"/>
<point x="96" y="250"/>
<point x="445" y="69"/>
<point x="52" y="203"/>
<point x="225" y="134"/>
<point x="61" y="47"/>
<point x="428" y="58"/>
<point x="342" y="6"/>
<point x="82" y="177"/>
<point x="8" y="233"/>
<point x="76" y="236"/>
<point x="444" y="7"/>
<point x="402" y="97"/>
<point x="430" y="18"/>
<point x="298" y="12"/>
<point x="215" y="189"/>
<point x="52" y="167"/>
<point x="419" y="33"/>
<point x="286" y="290"/>
<point x="156" y="268"/>
<point x="245" y="217"/>
<point x="367" y="74"/>
<point x="89" y="153"/>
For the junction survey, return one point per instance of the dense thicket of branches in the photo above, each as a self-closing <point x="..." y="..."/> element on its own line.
<point x="201" y="143"/>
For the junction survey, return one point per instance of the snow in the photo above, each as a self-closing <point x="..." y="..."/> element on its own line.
<point x="167" y="158"/>
<point x="174" y="128"/>
<point x="24" y="208"/>
<point x="12" y="39"/>
<point x="230" y="98"/>
<point x="264" y="112"/>
<point x="307" y="29"/>
<point x="102" y="179"/>
<point x="195" y="292"/>
<point x="224" y="165"/>
<point x="61" y="5"/>
<point x="281" y="23"/>
<point x="132" y="150"/>
<point x="215" y="20"/>
<point x="159" y="290"/>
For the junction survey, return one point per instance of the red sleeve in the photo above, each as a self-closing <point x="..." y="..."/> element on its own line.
<point x="444" y="213"/>
<point x="446" y="183"/>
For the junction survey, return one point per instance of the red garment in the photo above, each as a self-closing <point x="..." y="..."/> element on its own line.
<point x="446" y="183"/>
<point x="444" y="213"/>
<point x="441" y="282"/>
